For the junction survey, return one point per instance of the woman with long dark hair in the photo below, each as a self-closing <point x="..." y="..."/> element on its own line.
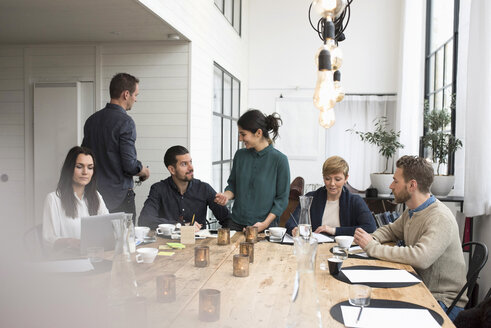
<point x="260" y="177"/>
<point x="76" y="196"/>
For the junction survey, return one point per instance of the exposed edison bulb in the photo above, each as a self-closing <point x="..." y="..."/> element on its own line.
<point x="329" y="8"/>
<point x="339" y="90"/>
<point x="324" y="94"/>
<point x="336" y="57"/>
<point x="337" y="86"/>
<point x="327" y="118"/>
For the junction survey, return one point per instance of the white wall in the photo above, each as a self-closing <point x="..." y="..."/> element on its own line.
<point x="281" y="58"/>
<point x="161" y="113"/>
<point x="12" y="133"/>
<point x="213" y="39"/>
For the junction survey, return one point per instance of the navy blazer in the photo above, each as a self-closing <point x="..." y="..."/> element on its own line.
<point x="353" y="213"/>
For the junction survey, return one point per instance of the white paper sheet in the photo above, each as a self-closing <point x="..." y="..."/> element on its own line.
<point x="360" y="276"/>
<point x="388" y="317"/>
<point x="320" y="238"/>
<point x="358" y="251"/>
<point x="205" y="233"/>
<point x="82" y="265"/>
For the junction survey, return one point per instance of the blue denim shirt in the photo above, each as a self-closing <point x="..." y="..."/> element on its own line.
<point x="111" y="134"/>
<point x="421" y="207"/>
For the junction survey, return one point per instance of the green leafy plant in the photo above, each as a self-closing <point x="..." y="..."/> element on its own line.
<point x="438" y="139"/>
<point x="386" y="140"/>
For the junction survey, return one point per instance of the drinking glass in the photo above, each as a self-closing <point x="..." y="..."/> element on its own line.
<point x="359" y="295"/>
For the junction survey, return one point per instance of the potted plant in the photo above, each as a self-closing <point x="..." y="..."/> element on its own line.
<point x="442" y="145"/>
<point x="387" y="140"/>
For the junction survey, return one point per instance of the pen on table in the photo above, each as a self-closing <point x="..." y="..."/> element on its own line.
<point x="359" y="314"/>
<point x="293" y="218"/>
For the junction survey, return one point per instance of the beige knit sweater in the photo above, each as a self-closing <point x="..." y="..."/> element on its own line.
<point x="433" y="249"/>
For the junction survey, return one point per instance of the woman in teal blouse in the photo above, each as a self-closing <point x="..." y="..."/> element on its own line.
<point x="260" y="177"/>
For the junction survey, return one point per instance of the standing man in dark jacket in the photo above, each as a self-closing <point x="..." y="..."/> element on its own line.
<point x="111" y="134"/>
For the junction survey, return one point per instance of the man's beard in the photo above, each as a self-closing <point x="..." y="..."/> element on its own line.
<point x="402" y="197"/>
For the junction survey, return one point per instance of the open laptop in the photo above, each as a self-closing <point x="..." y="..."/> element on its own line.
<point x="97" y="230"/>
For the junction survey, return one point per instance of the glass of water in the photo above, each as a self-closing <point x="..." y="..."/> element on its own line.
<point x="359" y="295"/>
<point x="340" y="252"/>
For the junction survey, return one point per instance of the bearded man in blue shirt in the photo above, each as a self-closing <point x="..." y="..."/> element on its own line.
<point x="180" y="197"/>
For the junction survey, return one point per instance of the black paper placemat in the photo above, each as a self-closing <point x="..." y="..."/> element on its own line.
<point x="337" y="314"/>
<point x="340" y="276"/>
<point x="355" y="256"/>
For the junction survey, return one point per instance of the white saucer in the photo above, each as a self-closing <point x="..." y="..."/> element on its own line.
<point x="275" y="239"/>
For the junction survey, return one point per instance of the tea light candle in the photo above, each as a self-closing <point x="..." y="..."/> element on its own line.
<point x="209" y="305"/>
<point x="201" y="256"/>
<point x="241" y="265"/>
<point x="223" y="236"/>
<point x="251" y="234"/>
<point x="166" y="288"/>
<point x="247" y="248"/>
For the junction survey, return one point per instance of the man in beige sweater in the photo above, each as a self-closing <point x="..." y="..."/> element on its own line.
<point x="429" y="230"/>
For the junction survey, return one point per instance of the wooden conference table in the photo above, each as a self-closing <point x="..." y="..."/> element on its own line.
<point x="263" y="298"/>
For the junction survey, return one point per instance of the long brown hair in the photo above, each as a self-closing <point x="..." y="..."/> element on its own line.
<point x="65" y="184"/>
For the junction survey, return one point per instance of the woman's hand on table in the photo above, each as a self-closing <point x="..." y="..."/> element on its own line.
<point x="362" y="238"/>
<point x="326" y="229"/>
<point x="295" y="232"/>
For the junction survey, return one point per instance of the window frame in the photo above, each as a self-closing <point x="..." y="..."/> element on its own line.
<point x="228" y="118"/>
<point x="429" y="85"/>
<point x="236" y="5"/>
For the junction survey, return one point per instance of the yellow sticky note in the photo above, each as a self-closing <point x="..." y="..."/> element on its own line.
<point x="176" y="245"/>
<point x="164" y="247"/>
<point x="166" y="253"/>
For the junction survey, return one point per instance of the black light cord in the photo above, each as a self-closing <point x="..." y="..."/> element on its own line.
<point x="338" y="22"/>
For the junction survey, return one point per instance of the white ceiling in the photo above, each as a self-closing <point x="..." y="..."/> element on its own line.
<point x="47" y="21"/>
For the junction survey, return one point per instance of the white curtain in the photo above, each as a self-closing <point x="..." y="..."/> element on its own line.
<point x="359" y="113"/>
<point x="478" y="111"/>
<point x="307" y="145"/>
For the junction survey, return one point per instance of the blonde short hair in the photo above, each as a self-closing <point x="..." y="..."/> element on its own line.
<point x="334" y="165"/>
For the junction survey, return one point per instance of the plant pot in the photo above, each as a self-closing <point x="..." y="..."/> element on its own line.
<point x="442" y="185"/>
<point x="381" y="181"/>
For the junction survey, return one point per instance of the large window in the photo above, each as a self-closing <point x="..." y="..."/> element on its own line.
<point x="442" y="20"/>
<point x="232" y="10"/>
<point x="226" y="112"/>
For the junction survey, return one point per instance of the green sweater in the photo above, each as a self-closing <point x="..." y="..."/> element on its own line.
<point x="260" y="182"/>
<point x="433" y="249"/>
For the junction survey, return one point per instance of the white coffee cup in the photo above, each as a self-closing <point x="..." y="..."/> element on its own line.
<point x="344" y="241"/>
<point x="146" y="254"/>
<point x="141" y="232"/>
<point x="275" y="232"/>
<point x="165" y="229"/>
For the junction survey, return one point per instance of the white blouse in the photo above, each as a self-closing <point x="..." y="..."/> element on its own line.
<point x="56" y="224"/>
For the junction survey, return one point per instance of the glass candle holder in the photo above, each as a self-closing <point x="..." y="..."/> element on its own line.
<point x="166" y="288"/>
<point x="223" y="237"/>
<point x="201" y="256"/>
<point x="209" y="305"/>
<point x="241" y="265"/>
<point x="247" y="248"/>
<point x="251" y="234"/>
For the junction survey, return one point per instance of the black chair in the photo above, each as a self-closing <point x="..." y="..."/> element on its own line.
<point x="476" y="263"/>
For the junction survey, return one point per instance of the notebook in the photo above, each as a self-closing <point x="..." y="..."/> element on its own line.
<point x="97" y="230"/>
